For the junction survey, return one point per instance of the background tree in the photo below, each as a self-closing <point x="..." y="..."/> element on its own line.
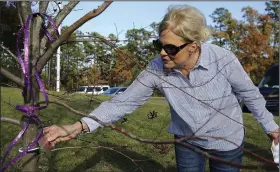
<point x="9" y="25"/>
<point x="220" y="16"/>
<point x="225" y="31"/>
<point x="139" y="44"/>
<point x="101" y="56"/>
<point x="272" y="9"/>
<point x="252" y="39"/>
<point x="73" y="61"/>
<point x="253" y="45"/>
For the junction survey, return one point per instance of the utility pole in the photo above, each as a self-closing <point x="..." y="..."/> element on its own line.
<point x="58" y="56"/>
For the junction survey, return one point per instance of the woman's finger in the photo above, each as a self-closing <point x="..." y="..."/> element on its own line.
<point x="53" y="144"/>
<point x="52" y="136"/>
<point x="46" y="130"/>
<point x="66" y="138"/>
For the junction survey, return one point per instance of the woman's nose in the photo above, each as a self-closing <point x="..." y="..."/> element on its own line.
<point x="162" y="53"/>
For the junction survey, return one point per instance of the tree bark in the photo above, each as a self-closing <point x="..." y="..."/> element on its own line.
<point x="30" y="160"/>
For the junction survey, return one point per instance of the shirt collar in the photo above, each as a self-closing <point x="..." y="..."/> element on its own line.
<point x="203" y="60"/>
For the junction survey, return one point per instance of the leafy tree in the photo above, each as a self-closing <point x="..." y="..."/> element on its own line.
<point x="225" y="30"/>
<point x="155" y="31"/>
<point x="272" y="9"/>
<point x="73" y="61"/>
<point x="94" y="76"/>
<point x="254" y="52"/>
<point x="100" y="55"/>
<point x="252" y="39"/>
<point x="9" y="26"/>
<point x="139" y="44"/>
<point x="219" y="16"/>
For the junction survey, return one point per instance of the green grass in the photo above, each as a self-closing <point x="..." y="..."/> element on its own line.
<point x="94" y="159"/>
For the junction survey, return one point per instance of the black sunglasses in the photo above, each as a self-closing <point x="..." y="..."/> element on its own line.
<point x="169" y="48"/>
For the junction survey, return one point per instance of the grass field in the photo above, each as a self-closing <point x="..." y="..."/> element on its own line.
<point x="92" y="158"/>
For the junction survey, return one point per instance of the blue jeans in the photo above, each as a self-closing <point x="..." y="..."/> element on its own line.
<point x="190" y="161"/>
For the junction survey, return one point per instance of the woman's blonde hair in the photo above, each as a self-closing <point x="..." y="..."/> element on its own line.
<point x="186" y="22"/>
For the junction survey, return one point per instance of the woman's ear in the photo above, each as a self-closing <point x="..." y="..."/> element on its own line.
<point x="194" y="47"/>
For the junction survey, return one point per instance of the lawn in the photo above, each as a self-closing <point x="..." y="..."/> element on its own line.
<point x="93" y="158"/>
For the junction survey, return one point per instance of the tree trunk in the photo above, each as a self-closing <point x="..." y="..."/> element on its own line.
<point x="30" y="160"/>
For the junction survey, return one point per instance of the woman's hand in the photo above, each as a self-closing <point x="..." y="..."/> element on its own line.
<point x="55" y="134"/>
<point x="274" y="135"/>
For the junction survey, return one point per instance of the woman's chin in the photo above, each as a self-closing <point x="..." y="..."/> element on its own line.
<point x="168" y="65"/>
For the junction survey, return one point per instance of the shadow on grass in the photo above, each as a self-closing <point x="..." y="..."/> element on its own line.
<point x="51" y="162"/>
<point x="120" y="162"/>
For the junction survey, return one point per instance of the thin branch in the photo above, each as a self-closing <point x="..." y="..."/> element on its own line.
<point x="178" y="141"/>
<point x="268" y="164"/>
<point x="25" y="9"/>
<point x="8" y="51"/>
<point x="65" y="11"/>
<point x="58" y="20"/>
<point x="36" y="30"/>
<point x="45" y="58"/>
<point x="11" y="121"/>
<point x="43" y="5"/>
<point x="19" y="14"/>
<point x="58" y="6"/>
<point x="35" y="38"/>
<point x="12" y="77"/>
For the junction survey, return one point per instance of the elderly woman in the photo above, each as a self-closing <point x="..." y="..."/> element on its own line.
<point x="202" y="84"/>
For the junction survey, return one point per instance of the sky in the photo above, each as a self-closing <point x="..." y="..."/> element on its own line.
<point x="125" y="15"/>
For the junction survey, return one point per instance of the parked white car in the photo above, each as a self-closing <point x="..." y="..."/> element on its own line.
<point x="82" y="89"/>
<point x="93" y="89"/>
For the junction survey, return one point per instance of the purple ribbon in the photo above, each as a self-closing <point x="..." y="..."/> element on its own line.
<point x="28" y="109"/>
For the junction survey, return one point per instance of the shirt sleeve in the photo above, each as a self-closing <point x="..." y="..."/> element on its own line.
<point x="134" y="96"/>
<point x="245" y="90"/>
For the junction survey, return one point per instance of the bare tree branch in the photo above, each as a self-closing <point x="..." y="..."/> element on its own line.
<point x="35" y="37"/>
<point x="43" y="5"/>
<point x="58" y="19"/>
<point x="57" y="4"/>
<point x="12" y="77"/>
<point x="25" y="9"/>
<point x="11" y="121"/>
<point x="267" y="164"/>
<point x="8" y="51"/>
<point x="36" y="30"/>
<point x="53" y="47"/>
<point x="65" y="11"/>
<point x="19" y="14"/>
